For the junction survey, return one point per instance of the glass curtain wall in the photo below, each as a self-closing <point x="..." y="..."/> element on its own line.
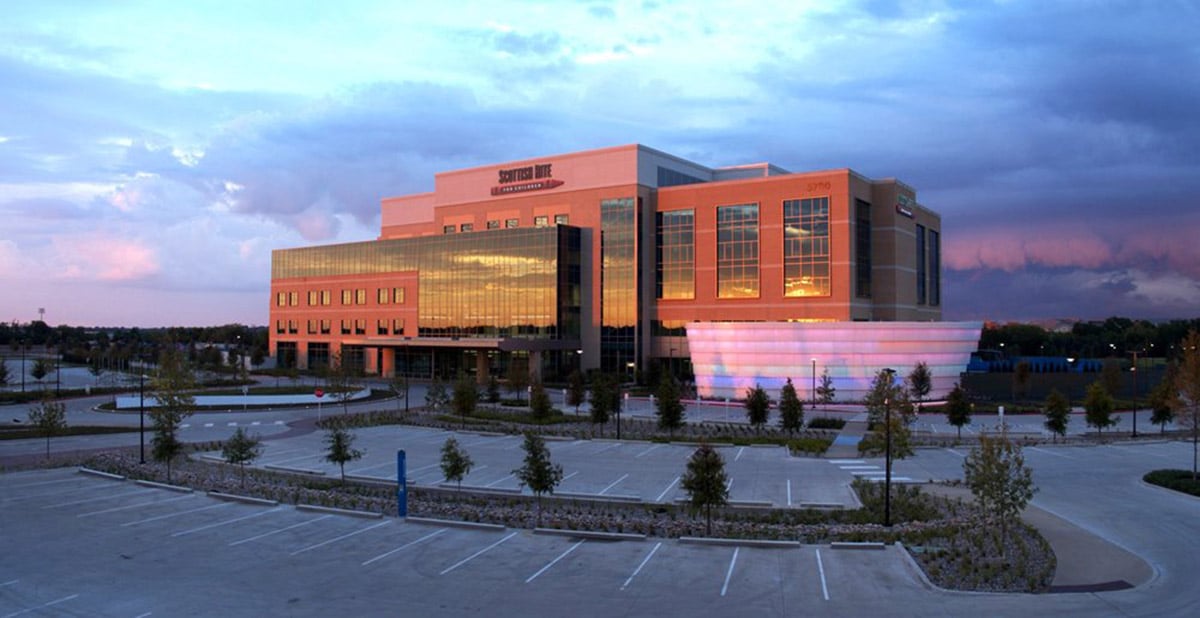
<point x="618" y="284"/>
<point x="676" y="253"/>
<point x="806" y="247"/>
<point x="737" y="251"/>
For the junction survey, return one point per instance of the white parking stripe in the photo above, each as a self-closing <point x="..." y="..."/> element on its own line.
<point x="339" y="538"/>
<point x="555" y="561"/>
<point x="498" y="481"/>
<point x="228" y="521"/>
<point x="646" y="452"/>
<point x="405" y="546"/>
<point x="170" y="515"/>
<point x="664" y="492"/>
<point x="789" y="492"/>
<point x="104" y="497"/>
<point x="9" y="582"/>
<point x="54" y="482"/>
<point x="613" y="484"/>
<point x="1034" y="448"/>
<point x="838" y="462"/>
<point x="476" y="554"/>
<point x="208" y="424"/>
<point x="729" y="573"/>
<point x="43" y="606"/>
<point x="569" y="475"/>
<point x="739" y="453"/>
<point x="639" y="568"/>
<point x="284" y="529"/>
<point x="821" y="570"/>
<point x="136" y="505"/>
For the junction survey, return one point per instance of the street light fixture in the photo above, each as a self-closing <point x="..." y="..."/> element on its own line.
<point x="142" y="413"/>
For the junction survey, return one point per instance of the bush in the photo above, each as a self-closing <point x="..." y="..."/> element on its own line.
<point x="1179" y="480"/>
<point x="826" y="422"/>
<point x="809" y="446"/>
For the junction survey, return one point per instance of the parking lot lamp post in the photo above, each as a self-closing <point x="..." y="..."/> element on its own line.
<point x="887" y="432"/>
<point x="22" y="365"/>
<point x="812" y="393"/>
<point x="142" y="413"/>
<point x="1133" y="370"/>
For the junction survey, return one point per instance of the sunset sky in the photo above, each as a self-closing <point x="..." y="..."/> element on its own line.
<point x="152" y="154"/>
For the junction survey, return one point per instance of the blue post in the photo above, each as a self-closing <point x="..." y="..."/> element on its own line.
<point x="401" y="485"/>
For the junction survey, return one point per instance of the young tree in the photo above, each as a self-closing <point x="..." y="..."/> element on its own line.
<point x="49" y="417"/>
<point x="668" y="404"/>
<point x="400" y="386"/>
<point x="94" y="368"/>
<point x="758" y="406"/>
<point x="538" y="472"/>
<point x="705" y="482"/>
<point x="885" y="394"/>
<point x="1098" y="406"/>
<point x="465" y="397"/>
<point x="825" y="389"/>
<point x="1058" y="414"/>
<point x="41" y="368"/>
<point x="1001" y="483"/>
<point x="791" y="410"/>
<point x="456" y="464"/>
<point x="1161" y="399"/>
<point x="240" y="449"/>
<point x="518" y="378"/>
<point x="874" y="443"/>
<point x="339" y="448"/>
<point x="958" y="408"/>
<point x="1110" y="377"/>
<point x="3" y="372"/>
<point x="341" y="380"/>
<point x="540" y="406"/>
<point x="920" y="382"/>
<point x="576" y="390"/>
<point x="604" y="392"/>
<point x="435" y="396"/>
<point x="1186" y="401"/>
<point x="1021" y="376"/>
<point x="172" y="386"/>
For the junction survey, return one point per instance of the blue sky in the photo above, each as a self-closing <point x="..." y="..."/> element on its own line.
<point x="152" y="154"/>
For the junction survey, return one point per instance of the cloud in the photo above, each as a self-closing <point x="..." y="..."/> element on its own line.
<point x="105" y="258"/>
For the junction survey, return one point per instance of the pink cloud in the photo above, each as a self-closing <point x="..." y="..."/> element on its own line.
<point x="1013" y="249"/>
<point x="106" y="259"/>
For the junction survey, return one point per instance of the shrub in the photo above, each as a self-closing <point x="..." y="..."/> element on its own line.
<point x="1178" y="480"/>
<point x="826" y="422"/>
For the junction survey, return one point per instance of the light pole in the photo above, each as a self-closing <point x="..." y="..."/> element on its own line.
<point x="813" y="392"/>
<point x="887" y="479"/>
<point x="142" y="413"/>
<point x="22" y="365"/>
<point x="1133" y="370"/>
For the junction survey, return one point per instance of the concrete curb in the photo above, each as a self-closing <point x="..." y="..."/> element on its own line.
<point x="107" y="475"/>
<point x="600" y="497"/>
<point x="210" y="457"/>
<point x="371" y="480"/>
<point x="243" y="499"/>
<point x="504" y="491"/>
<point x="764" y="543"/>
<point x="559" y="438"/>
<point x="453" y="523"/>
<point x="871" y="545"/>
<point x="751" y="503"/>
<point x="821" y="505"/>
<point x="712" y="444"/>
<point x="336" y="511"/>
<point x="591" y="534"/>
<point x="296" y="470"/>
<point x="766" y="446"/>
<point x="177" y="488"/>
<point x="486" y="434"/>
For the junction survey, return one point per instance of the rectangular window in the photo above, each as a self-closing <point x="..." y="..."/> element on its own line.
<point x="360" y="296"/>
<point x="314" y="298"/>
<point x="494" y="224"/>
<point x="398" y="296"/>
<point x="383" y="295"/>
<point x="347" y="297"/>
<point x="935" y="268"/>
<point x="312" y="327"/>
<point x="398" y="326"/>
<point x="294" y="299"/>
<point x="325" y="297"/>
<point x="676" y="254"/>
<point x="360" y="327"/>
<point x="561" y="220"/>
<point x="381" y="327"/>
<point x="293" y="328"/>
<point x="281" y="299"/>
<point x="806" y="247"/>
<point x="325" y="326"/>
<point x="279" y="327"/>
<point x="921" y="272"/>
<point x="467" y="227"/>
<point x="345" y="327"/>
<point x="862" y="249"/>
<point x="511" y="223"/>
<point x="541" y="221"/>
<point x="737" y="251"/>
<point x="447" y="229"/>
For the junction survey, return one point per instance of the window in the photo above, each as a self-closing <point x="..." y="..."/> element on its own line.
<point x="494" y="224"/>
<point x="862" y="249"/>
<point x="312" y="327"/>
<point x="921" y="273"/>
<point x="737" y="251"/>
<point x="806" y="247"/>
<point x="325" y="297"/>
<point x="293" y="328"/>
<point x="935" y="268"/>
<point x="281" y="299"/>
<point x="294" y="299"/>
<point x="398" y="326"/>
<point x="279" y="327"/>
<point x="347" y="297"/>
<point x="381" y="327"/>
<point x="325" y="326"/>
<point x="447" y="229"/>
<point x="398" y="296"/>
<point x="511" y="223"/>
<point x="314" y="298"/>
<point x="383" y="295"/>
<point x="360" y="327"/>
<point x="360" y="296"/>
<point x="467" y="227"/>
<point x="676" y="251"/>
<point x="541" y="221"/>
<point x="345" y="327"/>
<point x="561" y="220"/>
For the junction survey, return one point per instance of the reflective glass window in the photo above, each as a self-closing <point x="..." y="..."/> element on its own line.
<point x="511" y="223"/>
<point x="806" y="247"/>
<point x="676" y="251"/>
<point x="447" y="229"/>
<point x="562" y="220"/>
<point x="494" y="224"/>
<point x="920" y="258"/>
<point x="541" y="221"/>
<point x="935" y="268"/>
<point x="737" y="251"/>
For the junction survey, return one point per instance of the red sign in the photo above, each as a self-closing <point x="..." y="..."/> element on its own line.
<point x="536" y="185"/>
<point x="319" y="393"/>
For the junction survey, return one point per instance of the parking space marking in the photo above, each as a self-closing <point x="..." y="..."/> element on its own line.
<point x="1034" y="448"/>
<point x="608" y="448"/>
<point x="821" y="570"/>
<point x="476" y="554"/>
<point x="54" y="482"/>
<point x="46" y="494"/>
<point x="646" y="452"/>
<point x="739" y="453"/>
<point x="284" y="529"/>
<point x="208" y="424"/>
<point x="838" y="462"/>
<point x="276" y="462"/>
<point x="233" y="424"/>
<point x="143" y="615"/>
<point x="789" y="491"/>
<point x="278" y="422"/>
<point x="255" y="423"/>
<point x="9" y="583"/>
<point x="498" y="481"/>
<point x="567" y="477"/>
<point x="43" y="606"/>
<point x="614" y="484"/>
<point x="555" y="561"/>
<point x="639" y="568"/>
<point x="344" y="536"/>
<point x="382" y="465"/>
<point x="729" y="484"/>
<point x="170" y="515"/>
<point x="664" y="492"/>
<point x="956" y="452"/>
<point x="405" y="546"/>
<point x="729" y="573"/>
<point x="104" y="497"/>
<point x="228" y="521"/>
<point x="136" y="505"/>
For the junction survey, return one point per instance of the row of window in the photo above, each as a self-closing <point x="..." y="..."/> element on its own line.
<point x="316" y="298"/>
<point x="494" y="224"/>
<point x="929" y="267"/>
<point x="394" y="326"/>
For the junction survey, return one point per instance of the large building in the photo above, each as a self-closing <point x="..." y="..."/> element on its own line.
<point x="602" y="259"/>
